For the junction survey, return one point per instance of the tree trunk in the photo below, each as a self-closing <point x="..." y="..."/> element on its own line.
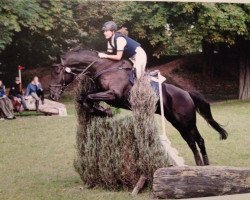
<point x="244" y="66"/>
<point x="189" y="182"/>
<point x="208" y="65"/>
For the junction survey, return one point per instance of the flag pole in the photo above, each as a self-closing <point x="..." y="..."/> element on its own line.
<point x="20" y="77"/>
<point x="160" y="79"/>
<point x="161" y="105"/>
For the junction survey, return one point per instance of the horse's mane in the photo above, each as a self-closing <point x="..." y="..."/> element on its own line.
<point x="79" y="49"/>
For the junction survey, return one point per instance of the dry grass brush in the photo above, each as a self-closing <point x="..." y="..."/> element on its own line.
<point x="110" y="151"/>
<point x="143" y="101"/>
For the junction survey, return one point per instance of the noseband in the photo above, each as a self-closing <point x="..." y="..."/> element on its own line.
<point x="63" y="86"/>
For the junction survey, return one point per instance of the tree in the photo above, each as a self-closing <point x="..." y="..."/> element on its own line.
<point x="33" y="30"/>
<point x="163" y="28"/>
<point x="90" y="16"/>
<point x="184" y="28"/>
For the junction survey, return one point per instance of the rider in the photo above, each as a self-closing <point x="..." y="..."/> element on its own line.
<point x="121" y="46"/>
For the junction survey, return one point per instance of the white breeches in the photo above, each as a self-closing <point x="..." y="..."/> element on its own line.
<point x="139" y="60"/>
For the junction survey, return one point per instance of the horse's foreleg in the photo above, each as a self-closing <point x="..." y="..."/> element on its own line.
<point x="107" y="112"/>
<point x="93" y="100"/>
<point x="108" y="95"/>
<point x="94" y="107"/>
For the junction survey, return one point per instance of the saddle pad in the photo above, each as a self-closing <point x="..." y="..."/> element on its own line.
<point x="154" y="85"/>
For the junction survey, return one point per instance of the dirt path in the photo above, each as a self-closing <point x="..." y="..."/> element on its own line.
<point x="167" y="70"/>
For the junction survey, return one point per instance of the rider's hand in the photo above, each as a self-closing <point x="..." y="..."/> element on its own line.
<point x="102" y="55"/>
<point x="26" y="97"/>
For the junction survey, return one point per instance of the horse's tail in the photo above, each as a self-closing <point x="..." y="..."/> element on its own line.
<point x="203" y="108"/>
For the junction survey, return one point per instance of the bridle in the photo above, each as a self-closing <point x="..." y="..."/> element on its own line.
<point x="64" y="85"/>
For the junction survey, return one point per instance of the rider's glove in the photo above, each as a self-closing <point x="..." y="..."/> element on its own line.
<point x="102" y="55"/>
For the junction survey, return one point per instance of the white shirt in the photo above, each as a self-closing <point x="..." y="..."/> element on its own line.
<point x="121" y="43"/>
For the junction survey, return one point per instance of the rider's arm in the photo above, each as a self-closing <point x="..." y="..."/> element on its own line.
<point x="39" y="86"/>
<point x="27" y="90"/>
<point x="118" y="56"/>
<point x="2" y="91"/>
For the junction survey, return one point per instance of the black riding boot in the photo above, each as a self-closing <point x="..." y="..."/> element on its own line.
<point x="40" y="94"/>
<point x="37" y="106"/>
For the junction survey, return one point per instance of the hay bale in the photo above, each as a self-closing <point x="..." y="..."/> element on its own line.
<point x="113" y="153"/>
<point x="143" y="100"/>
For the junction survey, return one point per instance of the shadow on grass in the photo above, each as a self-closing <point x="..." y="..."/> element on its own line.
<point x="29" y="114"/>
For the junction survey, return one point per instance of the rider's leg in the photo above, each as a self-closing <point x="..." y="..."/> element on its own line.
<point x="139" y="60"/>
<point x="22" y="101"/>
<point x="35" y="96"/>
<point x="40" y="93"/>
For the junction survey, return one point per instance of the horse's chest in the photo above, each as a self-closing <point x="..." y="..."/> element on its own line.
<point x="104" y="83"/>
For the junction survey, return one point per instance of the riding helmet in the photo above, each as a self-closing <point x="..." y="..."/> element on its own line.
<point x="109" y="26"/>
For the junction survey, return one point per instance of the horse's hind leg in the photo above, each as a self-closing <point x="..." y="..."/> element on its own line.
<point x="200" y="141"/>
<point x="192" y="145"/>
<point x="188" y="137"/>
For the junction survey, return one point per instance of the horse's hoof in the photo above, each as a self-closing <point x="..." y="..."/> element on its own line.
<point x="198" y="160"/>
<point x="205" y="160"/>
<point x="109" y="112"/>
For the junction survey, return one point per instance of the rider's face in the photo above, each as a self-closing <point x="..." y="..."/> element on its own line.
<point x="108" y="34"/>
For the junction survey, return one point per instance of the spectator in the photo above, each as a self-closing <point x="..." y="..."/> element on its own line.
<point x="36" y="91"/>
<point x="6" y="107"/>
<point x="16" y="91"/>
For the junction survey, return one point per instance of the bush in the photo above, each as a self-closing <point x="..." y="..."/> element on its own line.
<point x="114" y="153"/>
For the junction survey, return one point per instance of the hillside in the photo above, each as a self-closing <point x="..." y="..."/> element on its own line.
<point x="185" y="72"/>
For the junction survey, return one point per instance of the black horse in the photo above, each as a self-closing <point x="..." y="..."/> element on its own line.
<point x="112" y="83"/>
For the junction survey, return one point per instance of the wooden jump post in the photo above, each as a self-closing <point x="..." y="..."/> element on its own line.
<point x="200" y="181"/>
<point x="171" y="152"/>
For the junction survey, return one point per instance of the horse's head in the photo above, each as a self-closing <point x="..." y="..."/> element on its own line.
<point x="61" y="76"/>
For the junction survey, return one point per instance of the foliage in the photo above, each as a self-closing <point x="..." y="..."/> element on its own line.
<point x="143" y="100"/>
<point x="180" y="28"/>
<point x="35" y="28"/>
<point x="32" y="31"/>
<point x="115" y="152"/>
<point x="90" y="16"/>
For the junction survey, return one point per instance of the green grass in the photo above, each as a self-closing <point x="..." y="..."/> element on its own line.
<point x="37" y="152"/>
<point x="235" y="151"/>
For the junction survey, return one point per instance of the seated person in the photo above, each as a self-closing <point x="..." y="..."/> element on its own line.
<point x="16" y="91"/>
<point x="6" y="107"/>
<point x="36" y="91"/>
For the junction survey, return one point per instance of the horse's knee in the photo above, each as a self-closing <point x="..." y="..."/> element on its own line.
<point x="201" y="142"/>
<point x="118" y="95"/>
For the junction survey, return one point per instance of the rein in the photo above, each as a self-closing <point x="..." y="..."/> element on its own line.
<point x="64" y="85"/>
<point x="78" y="75"/>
